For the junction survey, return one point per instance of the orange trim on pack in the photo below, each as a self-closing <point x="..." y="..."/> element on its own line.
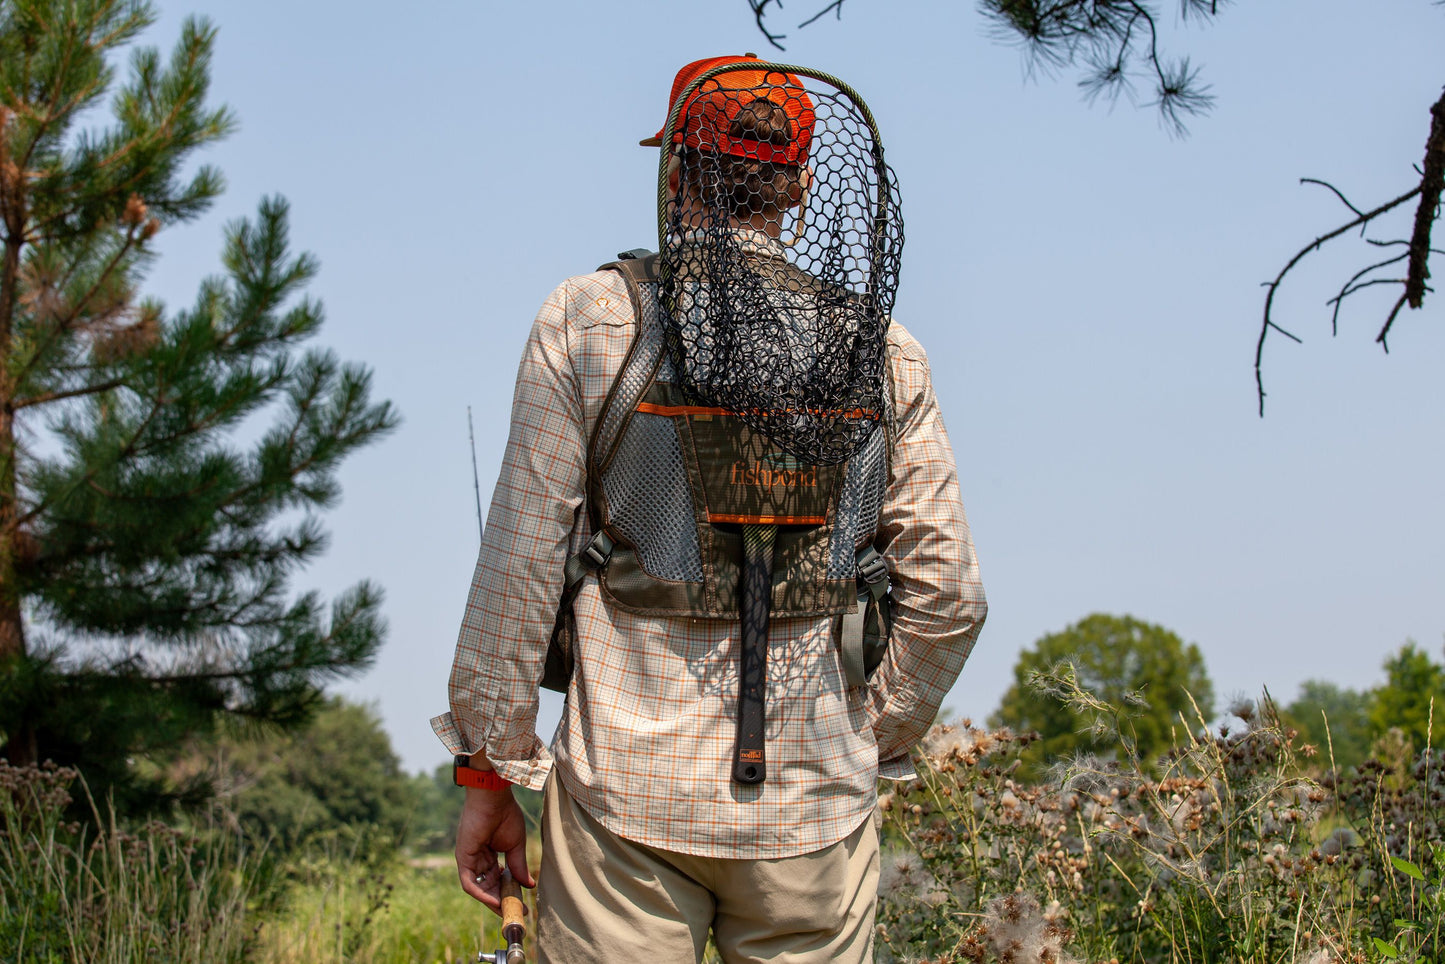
<point x="767" y="520"/>
<point x="652" y="408"/>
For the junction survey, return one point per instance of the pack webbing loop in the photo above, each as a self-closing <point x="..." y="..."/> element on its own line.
<point x="557" y="671"/>
<point x="863" y="633"/>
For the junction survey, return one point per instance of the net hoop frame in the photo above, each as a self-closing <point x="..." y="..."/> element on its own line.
<point x="665" y="152"/>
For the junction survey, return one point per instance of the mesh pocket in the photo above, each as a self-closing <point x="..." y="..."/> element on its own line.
<point x="649" y="500"/>
<point x="859" y="504"/>
<point x="632" y="382"/>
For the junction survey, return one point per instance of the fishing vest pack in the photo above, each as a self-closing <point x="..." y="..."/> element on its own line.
<point x="671" y="486"/>
<point x="738" y="465"/>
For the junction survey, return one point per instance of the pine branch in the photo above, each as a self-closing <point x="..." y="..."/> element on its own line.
<point x="63" y="324"/>
<point x="110" y="26"/>
<point x="1112" y="39"/>
<point x="60" y="396"/>
<point x="238" y="323"/>
<point x="142" y="519"/>
<point x="162" y="119"/>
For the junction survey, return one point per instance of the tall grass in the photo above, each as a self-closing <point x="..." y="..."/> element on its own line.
<point x="1239" y="846"/>
<point x="345" y="905"/>
<point x="73" y="893"/>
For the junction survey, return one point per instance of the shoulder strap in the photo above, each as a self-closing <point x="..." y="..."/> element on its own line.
<point x="637" y="267"/>
<point x="863" y="637"/>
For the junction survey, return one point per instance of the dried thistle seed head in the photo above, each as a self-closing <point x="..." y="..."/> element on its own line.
<point x="1242" y="708"/>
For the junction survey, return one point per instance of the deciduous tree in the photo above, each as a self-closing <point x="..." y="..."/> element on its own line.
<point x="1333" y="719"/>
<point x="1412" y="698"/>
<point x="338" y="772"/>
<point x="1145" y="669"/>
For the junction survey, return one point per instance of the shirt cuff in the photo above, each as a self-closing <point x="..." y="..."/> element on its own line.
<point x="530" y="773"/>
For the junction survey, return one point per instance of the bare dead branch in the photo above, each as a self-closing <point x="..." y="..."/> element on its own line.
<point x="1416" y="255"/>
<point x="1365" y="284"/>
<point x="1385" y="331"/>
<point x="1273" y="286"/>
<point x="1326" y="184"/>
<point x="760" y="10"/>
<point x="1432" y="180"/>
<point x="1349" y="288"/>
<point x="836" y="6"/>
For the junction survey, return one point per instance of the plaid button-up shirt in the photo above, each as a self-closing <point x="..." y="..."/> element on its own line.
<point x="646" y="739"/>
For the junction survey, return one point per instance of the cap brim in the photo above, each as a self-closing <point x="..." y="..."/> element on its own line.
<point x="653" y="141"/>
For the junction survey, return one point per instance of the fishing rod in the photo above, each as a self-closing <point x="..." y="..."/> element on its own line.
<point x="476" y="482"/>
<point x="514" y="928"/>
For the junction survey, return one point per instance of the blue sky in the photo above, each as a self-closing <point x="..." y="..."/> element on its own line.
<point x="1088" y="290"/>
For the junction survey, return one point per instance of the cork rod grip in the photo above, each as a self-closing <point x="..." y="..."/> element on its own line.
<point x="512" y="907"/>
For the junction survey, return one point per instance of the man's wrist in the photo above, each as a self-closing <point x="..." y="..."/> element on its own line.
<point x="479" y="761"/>
<point x="464" y="774"/>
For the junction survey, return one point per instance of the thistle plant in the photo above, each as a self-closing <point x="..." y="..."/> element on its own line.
<point x="1236" y="845"/>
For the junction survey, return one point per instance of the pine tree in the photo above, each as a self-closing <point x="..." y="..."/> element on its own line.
<point x="146" y="543"/>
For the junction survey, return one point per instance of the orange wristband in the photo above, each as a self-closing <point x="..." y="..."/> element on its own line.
<point x="465" y="775"/>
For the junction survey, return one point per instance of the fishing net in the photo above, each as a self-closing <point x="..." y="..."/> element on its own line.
<point x="780" y="239"/>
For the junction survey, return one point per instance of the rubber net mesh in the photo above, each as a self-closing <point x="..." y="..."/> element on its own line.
<point x="780" y="258"/>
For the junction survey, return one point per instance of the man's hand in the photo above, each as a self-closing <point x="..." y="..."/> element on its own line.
<point x="491" y="823"/>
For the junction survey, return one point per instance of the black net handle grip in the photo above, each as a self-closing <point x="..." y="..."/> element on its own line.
<point x="750" y="753"/>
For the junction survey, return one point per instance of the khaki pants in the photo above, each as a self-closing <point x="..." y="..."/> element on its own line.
<point x="606" y="899"/>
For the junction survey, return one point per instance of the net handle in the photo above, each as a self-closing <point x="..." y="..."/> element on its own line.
<point x="880" y="216"/>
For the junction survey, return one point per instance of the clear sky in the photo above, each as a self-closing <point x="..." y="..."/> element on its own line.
<point x="1088" y="290"/>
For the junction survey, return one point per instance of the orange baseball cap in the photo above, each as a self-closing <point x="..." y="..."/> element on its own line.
<point x="704" y="120"/>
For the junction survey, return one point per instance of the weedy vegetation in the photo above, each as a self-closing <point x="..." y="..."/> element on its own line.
<point x="101" y="891"/>
<point x="1242" y="844"/>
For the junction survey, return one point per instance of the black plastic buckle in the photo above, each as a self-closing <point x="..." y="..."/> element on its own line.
<point x="874" y="570"/>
